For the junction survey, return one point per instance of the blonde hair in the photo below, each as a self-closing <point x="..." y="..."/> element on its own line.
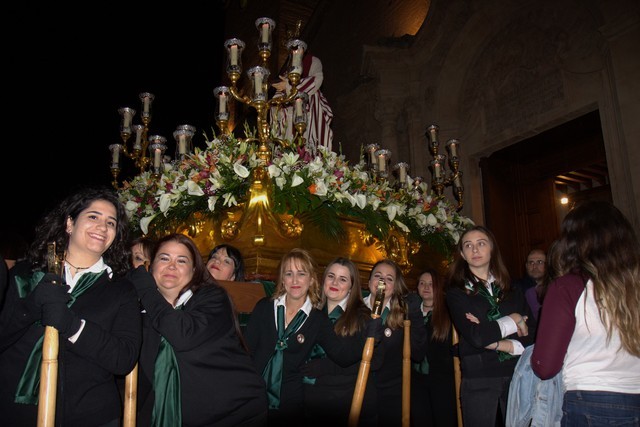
<point x="303" y="260"/>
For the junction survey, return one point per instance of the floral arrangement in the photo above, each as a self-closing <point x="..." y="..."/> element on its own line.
<point x="319" y="187"/>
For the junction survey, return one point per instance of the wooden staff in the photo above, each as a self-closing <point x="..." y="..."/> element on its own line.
<point x="406" y="372"/>
<point x="457" y="375"/>
<point x="130" y="398"/>
<point x="50" y="347"/>
<point x="131" y="391"/>
<point x="365" y="363"/>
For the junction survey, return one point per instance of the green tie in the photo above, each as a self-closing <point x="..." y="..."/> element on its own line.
<point x="384" y="314"/>
<point x="494" y="312"/>
<point x="272" y="373"/>
<point x="29" y="384"/>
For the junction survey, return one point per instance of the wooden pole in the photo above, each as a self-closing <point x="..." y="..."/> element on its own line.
<point x="457" y="375"/>
<point x="406" y="374"/>
<point x="365" y="363"/>
<point x="50" y="347"/>
<point x="130" y="398"/>
<point x="48" y="378"/>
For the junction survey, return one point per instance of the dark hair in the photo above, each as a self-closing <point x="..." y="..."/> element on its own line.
<point x="201" y="276"/>
<point x="238" y="261"/>
<point x="460" y="274"/>
<point x="395" y="319"/>
<point x="356" y="312"/>
<point x="147" y="243"/>
<point x="440" y="319"/>
<point x="52" y="228"/>
<point x="597" y="241"/>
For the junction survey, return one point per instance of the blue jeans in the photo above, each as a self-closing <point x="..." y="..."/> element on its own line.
<point x="600" y="408"/>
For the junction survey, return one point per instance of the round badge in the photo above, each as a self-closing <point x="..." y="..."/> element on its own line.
<point x="300" y="338"/>
<point x="387" y="332"/>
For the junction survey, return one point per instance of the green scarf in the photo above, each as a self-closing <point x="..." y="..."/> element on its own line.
<point x="423" y="366"/>
<point x="29" y="384"/>
<point x="167" y="406"/>
<point x="272" y="373"/>
<point x="494" y="299"/>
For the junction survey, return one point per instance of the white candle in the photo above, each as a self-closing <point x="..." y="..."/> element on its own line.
<point x="126" y="119"/>
<point x="223" y="104"/>
<point x="436" y="169"/>
<point x="265" y="33"/>
<point x="298" y="107"/>
<point x="296" y="61"/>
<point x="157" y="158"/>
<point x="382" y="163"/>
<point x="372" y="155"/>
<point x="234" y="54"/>
<point x="146" y="101"/>
<point x="403" y="174"/>
<point x="137" y="145"/>
<point x="258" y="84"/>
<point x="182" y="144"/>
<point x="115" y="156"/>
<point x="453" y="148"/>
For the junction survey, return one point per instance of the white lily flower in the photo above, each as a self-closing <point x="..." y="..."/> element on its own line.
<point x="296" y="180"/>
<point x="431" y="220"/>
<point x="321" y="188"/>
<point x="144" y="223"/>
<point x="211" y="203"/>
<point x="229" y="200"/>
<point x="361" y="200"/>
<point x="240" y="170"/>
<point x="194" y="189"/>
<point x="274" y="171"/>
<point x="401" y="226"/>
<point x="165" y="202"/>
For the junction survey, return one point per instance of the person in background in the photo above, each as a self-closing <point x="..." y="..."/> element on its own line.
<point x="283" y="330"/>
<point x="226" y="263"/>
<point x="433" y="392"/>
<point x="398" y="304"/>
<point x="93" y="307"/>
<point x="535" y="267"/>
<point x="491" y="320"/>
<point x="194" y="367"/>
<point x="590" y="323"/>
<point x="141" y="251"/>
<point x="535" y="295"/>
<point x="329" y="388"/>
<point x="318" y="132"/>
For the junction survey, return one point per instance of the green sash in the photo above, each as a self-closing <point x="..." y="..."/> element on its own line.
<point x="494" y="311"/>
<point x="29" y="384"/>
<point x="272" y="373"/>
<point x="423" y="366"/>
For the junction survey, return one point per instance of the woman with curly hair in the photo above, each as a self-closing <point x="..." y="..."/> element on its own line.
<point x="590" y="323"/>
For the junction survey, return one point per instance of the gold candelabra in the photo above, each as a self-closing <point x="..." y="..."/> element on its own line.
<point x="257" y="95"/>
<point x="441" y="177"/>
<point x="146" y="151"/>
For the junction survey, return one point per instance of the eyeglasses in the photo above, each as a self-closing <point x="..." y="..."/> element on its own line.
<point x="535" y="262"/>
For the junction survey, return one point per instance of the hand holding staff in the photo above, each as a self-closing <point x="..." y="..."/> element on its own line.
<point x="365" y="363"/>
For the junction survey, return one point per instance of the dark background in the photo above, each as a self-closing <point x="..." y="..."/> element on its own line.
<point x="68" y="71"/>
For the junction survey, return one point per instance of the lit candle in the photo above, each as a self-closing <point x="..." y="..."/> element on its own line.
<point x="382" y="163"/>
<point x="403" y="174"/>
<point x="233" y="51"/>
<point x="223" y="104"/>
<point x="453" y="147"/>
<point x="436" y="169"/>
<point x="298" y="107"/>
<point x="433" y="133"/>
<point x="157" y="158"/>
<point x="265" y="33"/>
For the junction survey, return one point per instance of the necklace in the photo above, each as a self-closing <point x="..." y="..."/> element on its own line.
<point x="76" y="268"/>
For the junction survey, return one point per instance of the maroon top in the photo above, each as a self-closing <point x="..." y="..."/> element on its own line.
<point x="556" y="326"/>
